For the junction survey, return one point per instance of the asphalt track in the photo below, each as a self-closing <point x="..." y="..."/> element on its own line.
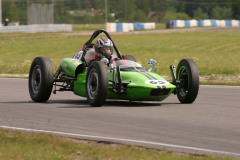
<point x="208" y="126"/>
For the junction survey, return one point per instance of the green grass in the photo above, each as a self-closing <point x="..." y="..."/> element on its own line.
<point x="214" y="52"/>
<point x="16" y="145"/>
<point x="87" y="27"/>
<point x="160" y="26"/>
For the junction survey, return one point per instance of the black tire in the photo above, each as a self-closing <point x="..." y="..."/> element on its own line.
<point x="188" y="75"/>
<point x="41" y="79"/>
<point x="129" y="57"/>
<point x="97" y="84"/>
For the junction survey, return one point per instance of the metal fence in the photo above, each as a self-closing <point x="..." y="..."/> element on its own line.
<point x="34" y="28"/>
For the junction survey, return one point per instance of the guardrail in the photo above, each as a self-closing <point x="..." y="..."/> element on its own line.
<point x="202" y="23"/>
<point x="34" y="28"/>
<point x="126" y="27"/>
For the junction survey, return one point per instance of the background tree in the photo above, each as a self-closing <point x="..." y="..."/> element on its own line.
<point x="221" y="13"/>
<point x="199" y="14"/>
<point x="236" y="9"/>
<point x="10" y="11"/>
<point x="80" y="11"/>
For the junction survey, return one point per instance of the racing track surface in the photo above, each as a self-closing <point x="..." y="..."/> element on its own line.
<point x="208" y="126"/>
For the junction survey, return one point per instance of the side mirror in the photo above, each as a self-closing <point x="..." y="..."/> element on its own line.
<point x="105" y="60"/>
<point x="152" y="63"/>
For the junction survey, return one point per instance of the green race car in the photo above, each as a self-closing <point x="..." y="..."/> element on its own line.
<point x="115" y="77"/>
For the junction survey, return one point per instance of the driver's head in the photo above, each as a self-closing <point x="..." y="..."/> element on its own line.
<point x="104" y="47"/>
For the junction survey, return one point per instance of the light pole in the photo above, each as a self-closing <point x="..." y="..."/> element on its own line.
<point x="126" y="10"/>
<point x="53" y="9"/>
<point x="28" y="17"/>
<point x="0" y="13"/>
<point x="106" y="11"/>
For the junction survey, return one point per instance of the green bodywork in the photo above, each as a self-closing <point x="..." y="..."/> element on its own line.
<point x="141" y="87"/>
<point x="69" y="66"/>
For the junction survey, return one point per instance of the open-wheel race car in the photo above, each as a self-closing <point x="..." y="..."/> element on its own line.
<point x="114" y="77"/>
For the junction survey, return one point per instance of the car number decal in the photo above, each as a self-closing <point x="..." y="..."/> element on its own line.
<point x="157" y="82"/>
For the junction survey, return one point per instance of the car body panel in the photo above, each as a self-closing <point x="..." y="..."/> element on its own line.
<point x="69" y="66"/>
<point x="140" y="88"/>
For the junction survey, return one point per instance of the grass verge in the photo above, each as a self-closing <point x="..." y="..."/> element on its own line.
<point x="215" y="53"/>
<point x="87" y="27"/>
<point x="16" y="145"/>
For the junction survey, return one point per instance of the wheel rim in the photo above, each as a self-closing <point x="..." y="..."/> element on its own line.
<point x="36" y="79"/>
<point x="92" y="84"/>
<point x="183" y="78"/>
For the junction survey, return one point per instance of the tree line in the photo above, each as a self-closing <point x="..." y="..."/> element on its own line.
<point x="93" y="11"/>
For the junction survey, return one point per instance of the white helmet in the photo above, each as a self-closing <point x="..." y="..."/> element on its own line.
<point x="104" y="47"/>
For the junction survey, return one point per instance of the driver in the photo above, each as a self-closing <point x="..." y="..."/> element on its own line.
<point x="103" y="48"/>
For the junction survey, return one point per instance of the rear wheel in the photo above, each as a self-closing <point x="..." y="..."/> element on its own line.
<point x="40" y="81"/>
<point x="97" y="84"/>
<point x="188" y="77"/>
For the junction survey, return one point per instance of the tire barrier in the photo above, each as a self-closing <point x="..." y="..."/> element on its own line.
<point x="202" y="23"/>
<point x="126" y="27"/>
<point x="34" y="28"/>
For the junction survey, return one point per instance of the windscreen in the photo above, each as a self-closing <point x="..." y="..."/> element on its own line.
<point x="125" y="63"/>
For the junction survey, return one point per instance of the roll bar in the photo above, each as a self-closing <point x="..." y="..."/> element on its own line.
<point x="94" y="35"/>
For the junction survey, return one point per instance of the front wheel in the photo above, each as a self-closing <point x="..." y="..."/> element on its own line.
<point x="97" y="84"/>
<point x="40" y="80"/>
<point x="188" y="78"/>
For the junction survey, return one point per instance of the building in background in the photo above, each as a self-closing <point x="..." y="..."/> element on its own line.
<point x="40" y="13"/>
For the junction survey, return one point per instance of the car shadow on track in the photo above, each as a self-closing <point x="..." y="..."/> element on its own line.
<point x="84" y="103"/>
<point x="122" y="103"/>
<point x="119" y="103"/>
<point x="111" y="103"/>
<point x="71" y="103"/>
